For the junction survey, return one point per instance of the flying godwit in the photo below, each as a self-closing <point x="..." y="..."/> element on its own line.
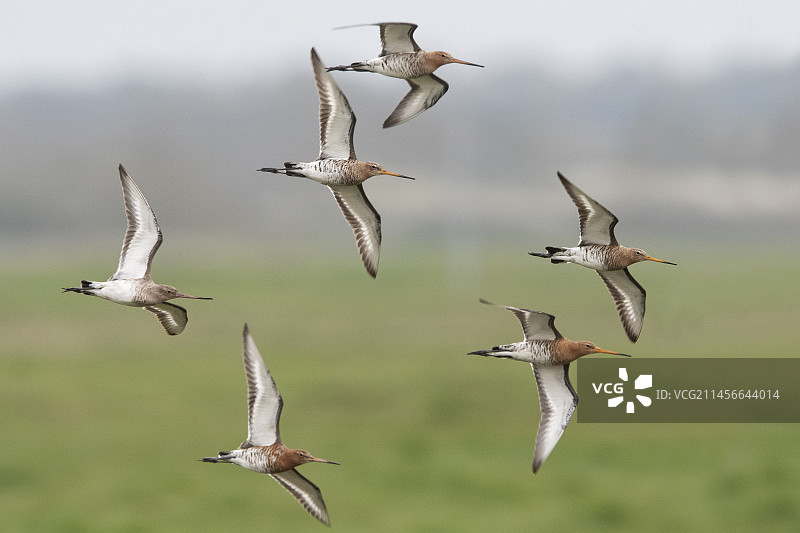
<point x="549" y="355"/>
<point x="131" y="284"/>
<point x="263" y="451"/>
<point x="339" y="169"/>
<point x="600" y="251"/>
<point x="401" y="57"/>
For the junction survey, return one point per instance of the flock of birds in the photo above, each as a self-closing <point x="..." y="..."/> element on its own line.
<point x="547" y="351"/>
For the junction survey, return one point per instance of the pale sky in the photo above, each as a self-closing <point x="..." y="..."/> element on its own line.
<point x="91" y="42"/>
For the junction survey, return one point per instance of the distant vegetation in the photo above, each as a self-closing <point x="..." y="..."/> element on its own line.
<point x="495" y="142"/>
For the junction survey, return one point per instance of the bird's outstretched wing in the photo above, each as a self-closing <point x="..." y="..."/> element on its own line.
<point x="143" y="236"/>
<point x="306" y="493"/>
<point x="425" y="91"/>
<point x="264" y="402"/>
<point x="172" y="317"/>
<point x="597" y="222"/>
<point x="396" y="37"/>
<point x="557" y="400"/>
<point x="364" y="220"/>
<point x="629" y="298"/>
<point x="535" y="324"/>
<point x="336" y="118"/>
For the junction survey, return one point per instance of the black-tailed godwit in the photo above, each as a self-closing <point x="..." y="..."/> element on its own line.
<point x="599" y="250"/>
<point x="263" y="451"/>
<point x="550" y="355"/>
<point x="131" y="284"/>
<point x="401" y="57"/>
<point x="339" y="169"/>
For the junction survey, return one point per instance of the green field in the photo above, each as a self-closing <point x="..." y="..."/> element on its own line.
<point x="104" y="416"/>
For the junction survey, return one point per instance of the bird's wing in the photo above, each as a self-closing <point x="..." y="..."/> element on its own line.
<point x="264" y="402"/>
<point x="425" y="91"/>
<point x="397" y="38"/>
<point x="172" y="317"/>
<point x="597" y="222"/>
<point x="557" y="400"/>
<point x="306" y="493"/>
<point x="629" y="297"/>
<point x="143" y="236"/>
<point x="365" y="221"/>
<point x="336" y="118"/>
<point x="535" y="324"/>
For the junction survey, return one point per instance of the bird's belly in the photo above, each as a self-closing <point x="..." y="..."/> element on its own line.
<point x="536" y="352"/>
<point x="121" y="291"/>
<point x="401" y="66"/>
<point x="328" y="172"/>
<point x="256" y="459"/>
<point x="541" y="353"/>
<point x="593" y="257"/>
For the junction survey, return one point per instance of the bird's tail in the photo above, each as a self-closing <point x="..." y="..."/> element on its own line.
<point x="551" y="250"/>
<point x="358" y="66"/>
<point x="86" y="288"/>
<point x="287" y="169"/>
<point x="223" y="457"/>
<point x="500" y="352"/>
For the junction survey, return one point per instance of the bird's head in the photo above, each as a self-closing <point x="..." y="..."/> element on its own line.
<point x="439" y="58"/>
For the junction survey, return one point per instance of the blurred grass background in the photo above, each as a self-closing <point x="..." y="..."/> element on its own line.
<point x="689" y="136"/>
<point x="104" y="416"/>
